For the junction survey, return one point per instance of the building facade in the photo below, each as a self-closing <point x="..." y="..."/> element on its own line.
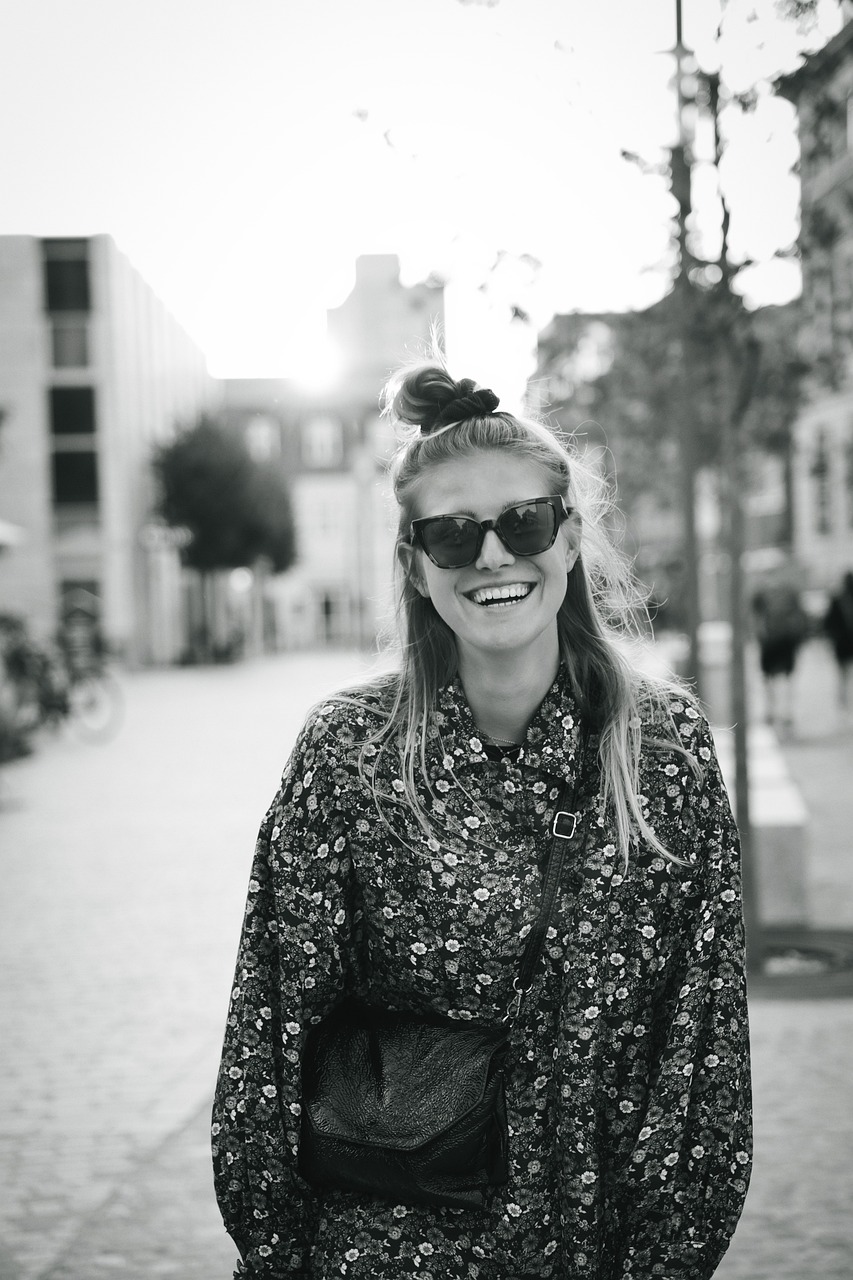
<point x="94" y="373"/>
<point x="335" y="449"/>
<point x="822" y="92"/>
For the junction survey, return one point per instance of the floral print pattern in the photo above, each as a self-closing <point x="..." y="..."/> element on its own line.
<point x="628" y="1095"/>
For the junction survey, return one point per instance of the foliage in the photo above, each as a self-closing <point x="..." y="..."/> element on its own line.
<point x="236" y="510"/>
<point x="672" y="368"/>
<point x="780" y="382"/>
<point x="801" y="11"/>
<point x="628" y="407"/>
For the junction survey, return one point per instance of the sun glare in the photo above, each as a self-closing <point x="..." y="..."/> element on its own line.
<point x="318" y="366"/>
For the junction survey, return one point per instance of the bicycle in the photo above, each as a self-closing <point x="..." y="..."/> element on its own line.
<point x="55" y="685"/>
<point x="95" y="705"/>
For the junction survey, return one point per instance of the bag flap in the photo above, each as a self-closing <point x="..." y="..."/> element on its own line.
<point x="396" y="1079"/>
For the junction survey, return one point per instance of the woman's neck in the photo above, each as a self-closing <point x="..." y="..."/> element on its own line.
<point x="505" y="695"/>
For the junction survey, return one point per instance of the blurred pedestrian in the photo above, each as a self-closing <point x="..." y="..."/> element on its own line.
<point x="518" y="782"/>
<point x="781" y="626"/>
<point x="838" y="625"/>
<point x="81" y="644"/>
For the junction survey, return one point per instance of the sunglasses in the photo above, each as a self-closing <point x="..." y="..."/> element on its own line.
<point x="527" y="529"/>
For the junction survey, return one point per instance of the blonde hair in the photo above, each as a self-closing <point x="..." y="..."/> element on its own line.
<point x="602" y="609"/>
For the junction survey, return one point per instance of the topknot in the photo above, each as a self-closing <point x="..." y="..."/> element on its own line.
<point x="427" y="397"/>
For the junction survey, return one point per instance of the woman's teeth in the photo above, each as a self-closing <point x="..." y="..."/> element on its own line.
<point x="494" y="597"/>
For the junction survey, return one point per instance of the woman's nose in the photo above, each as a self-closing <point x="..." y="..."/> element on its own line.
<point x="493" y="552"/>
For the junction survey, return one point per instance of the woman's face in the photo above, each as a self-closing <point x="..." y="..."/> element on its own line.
<point x="524" y="622"/>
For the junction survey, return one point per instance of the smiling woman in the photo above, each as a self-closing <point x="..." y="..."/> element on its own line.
<point x="500" y="583"/>
<point x="489" y="1016"/>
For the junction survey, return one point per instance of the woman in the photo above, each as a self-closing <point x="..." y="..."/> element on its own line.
<point x="401" y="857"/>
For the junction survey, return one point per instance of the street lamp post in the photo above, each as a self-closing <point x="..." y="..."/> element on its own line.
<point x="733" y="410"/>
<point x="680" y="185"/>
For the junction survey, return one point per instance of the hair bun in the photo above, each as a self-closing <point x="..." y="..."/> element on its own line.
<point x="469" y="402"/>
<point x="425" y="396"/>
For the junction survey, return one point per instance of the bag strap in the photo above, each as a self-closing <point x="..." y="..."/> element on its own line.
<point x="568" y="832"/>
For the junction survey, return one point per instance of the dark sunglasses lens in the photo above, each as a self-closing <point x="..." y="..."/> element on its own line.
<point x="528" y="528"/>
<point x="451" y="542"/>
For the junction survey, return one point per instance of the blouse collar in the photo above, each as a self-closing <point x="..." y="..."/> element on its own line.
<point x="551" y="740"/>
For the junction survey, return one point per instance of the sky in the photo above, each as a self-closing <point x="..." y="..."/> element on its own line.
<point x="243" y="153"/>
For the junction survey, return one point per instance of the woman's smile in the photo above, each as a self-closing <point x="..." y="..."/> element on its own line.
<point x="501" y="597"/>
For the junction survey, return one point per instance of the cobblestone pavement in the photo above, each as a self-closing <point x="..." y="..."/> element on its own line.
<point x="124" y="871"/>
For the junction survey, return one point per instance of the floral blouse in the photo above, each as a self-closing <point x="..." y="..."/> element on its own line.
<point x="628" y="1093"/>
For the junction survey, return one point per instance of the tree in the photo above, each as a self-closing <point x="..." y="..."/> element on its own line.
<point x="236" y="510"/>
<point x="675" y="363"/>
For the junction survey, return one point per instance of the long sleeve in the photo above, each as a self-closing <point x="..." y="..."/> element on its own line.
<point x="297" y="956"/>
<point x="681" y="1185"/>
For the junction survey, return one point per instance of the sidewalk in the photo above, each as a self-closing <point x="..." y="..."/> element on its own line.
<point x="797" y="1224"/>
<point x="820" y="758"/>
<point x="125" y="870"/>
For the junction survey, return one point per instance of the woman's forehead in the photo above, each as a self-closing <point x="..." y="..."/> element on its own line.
<point x="480" y="483"/>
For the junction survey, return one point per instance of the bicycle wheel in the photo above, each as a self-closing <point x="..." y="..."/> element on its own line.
<point x="97" y="707"/>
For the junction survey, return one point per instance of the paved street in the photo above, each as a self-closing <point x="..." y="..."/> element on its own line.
<point x="124" y="869"/>
<point x="124" y="874"/>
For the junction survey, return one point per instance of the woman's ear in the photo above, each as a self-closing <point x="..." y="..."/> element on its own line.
<point x="572" y="537"/>
<point x="409" y="559"/>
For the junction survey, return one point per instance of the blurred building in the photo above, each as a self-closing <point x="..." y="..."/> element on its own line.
<point x="94" y="372"/>
<point x="616" y="382"/>
<point x="575" y="354"/>
<point x="334" y="448"/>
<point x="822" y="92"/>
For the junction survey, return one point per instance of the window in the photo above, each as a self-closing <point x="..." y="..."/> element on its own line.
<point x="70" y="343"/>
<point x="263" y="438"/>
<point x="75" y="477"/>
<point x="72" y="427"/>
<point x="322" y="442"/>
<point x="72" y="411"/>
<point x="66" y="274"/>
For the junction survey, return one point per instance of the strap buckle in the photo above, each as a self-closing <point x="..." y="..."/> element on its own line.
<point x="515" y="1003"/>
<point x="561" y="823"/>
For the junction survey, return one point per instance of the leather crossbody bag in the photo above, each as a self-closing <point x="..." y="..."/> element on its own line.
<point x="410" y="1107"/>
